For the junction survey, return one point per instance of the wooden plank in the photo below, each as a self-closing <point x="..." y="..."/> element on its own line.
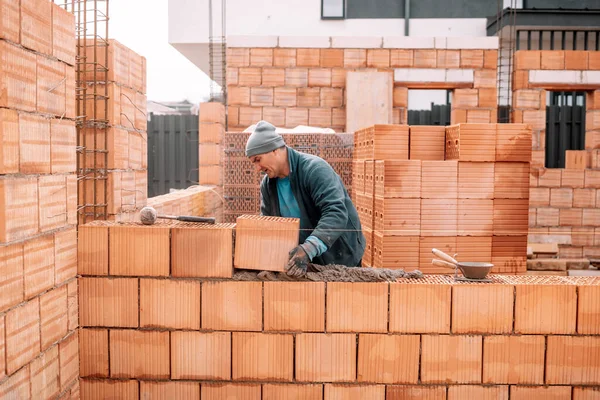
<point x="369" y="99"/>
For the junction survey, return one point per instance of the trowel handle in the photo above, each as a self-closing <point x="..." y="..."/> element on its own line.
<point x="444" y="256"/>
<point x="189" y="218"/>
<point x="445" y="264"/>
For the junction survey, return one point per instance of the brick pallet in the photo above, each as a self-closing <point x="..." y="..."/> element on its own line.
<point x="527" y="336"/>
<point x="38" y="202"/>
<point x="469" y="200"/>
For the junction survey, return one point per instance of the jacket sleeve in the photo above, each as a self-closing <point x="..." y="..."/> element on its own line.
<point x="265" y="200"/>
<point x="327" y="192"/>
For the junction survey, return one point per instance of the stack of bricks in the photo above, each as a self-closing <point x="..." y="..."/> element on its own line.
<point x="563" y="201"/>
<point x="241" y="181"/>
<point x="292" y="81"/>
<point x="163" y="327"/>
<point x="127" y="138"/>
<point x="211" y="133"/>
<point x="200" y="201"/>
<point x="470" y="199"/>
<point x="38" y="202"/>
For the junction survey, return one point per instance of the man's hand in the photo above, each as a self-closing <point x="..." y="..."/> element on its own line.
<point x="298" y="263"/>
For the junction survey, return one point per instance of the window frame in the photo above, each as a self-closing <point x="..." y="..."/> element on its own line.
<point x="333" y="18"/>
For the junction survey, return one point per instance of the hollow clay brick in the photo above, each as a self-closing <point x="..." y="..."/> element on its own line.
<point x="284" y="57"/>
<point x="170" y="390"/>
<point x="294" y="306"/>
<point x="54" y="318"/>
<point x="511" y="180"/>
<point x="451" y="359"/>
<point x="476" y="180"/>
<point x="545" y="309"/>
<point x="219" y="391"/>
<point x="553" y="59"/>
<point x="292" y="392"/>
<point x="69" y="360"/>
<point x="478" y="392"/>
<point x="262" y="356"/>
<point x="513" y="359"/>
<point x="139" y="250"/>
<point x="201" y="355"/>
<point x="482" y="309"/>
<point x="22" y="335"/>
<point x="388" y="358"/>
<point x="420" y="308"/>
<point x="109" y="389"/>
<point x="93" y="348"/>
<point x="439" y="179"/>
<point x="332" y="58"/>
<point x="354" y="392"/>
<point x="92" y="250"/>
<point x="108" y="302"/>
<point x="540" y="392"/>
<point x="169" y="304"/>
<point x="419" y="392"/>
<point x="573" y="360"/>
<point x="139" y="354"/>
<point x="357" y="307"/>
<point x="36" y="25"/>
<point x="264" y="243"/>
<point x="11" y="277"/>
<point x="588" y="310"/>
<point x="235" y="306"/>
<point x="45" y="375"/>
<point x="261" y="57"/>
<point x="9" y="137"/>
<point x="325" y="357"/>
<point x="18" y="385"/>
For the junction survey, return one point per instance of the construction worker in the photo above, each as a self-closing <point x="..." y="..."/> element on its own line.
<point x="304" y="186"/>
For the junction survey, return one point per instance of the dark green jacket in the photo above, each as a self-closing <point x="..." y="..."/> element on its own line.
<point x="325" y="207"/>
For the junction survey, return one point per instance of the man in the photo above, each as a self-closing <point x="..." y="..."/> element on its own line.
<point x="304" y="186"/>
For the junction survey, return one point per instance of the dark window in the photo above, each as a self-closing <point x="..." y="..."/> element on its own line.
<point x="565" y="126"/>
<point x="333" y="9"/>
<point x="429" y="107"/>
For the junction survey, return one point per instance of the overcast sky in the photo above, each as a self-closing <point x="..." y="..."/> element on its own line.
<point x="142" y="25"/>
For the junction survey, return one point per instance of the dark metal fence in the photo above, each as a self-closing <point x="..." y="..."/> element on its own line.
<point x="565" y="126"/>
<point x="543" y="39"/>
<point x="172" y="153"/>
<point x="438" y="115"/>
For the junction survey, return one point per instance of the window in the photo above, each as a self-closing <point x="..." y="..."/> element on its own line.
<point x="429" y="107"/>
<point x="565" y="126"/>
<point x="333" y="9"/>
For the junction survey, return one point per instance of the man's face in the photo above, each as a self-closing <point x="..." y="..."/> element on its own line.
<point x="268" y="163"/>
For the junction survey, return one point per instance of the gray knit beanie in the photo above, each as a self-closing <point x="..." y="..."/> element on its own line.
<point x="263" y="140"/>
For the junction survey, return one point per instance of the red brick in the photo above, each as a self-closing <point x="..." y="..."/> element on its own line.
<point x="528" y="59"/>
<point x="471" y="58"/>
<point x="294" y="306"/>
<point x="261" y="96"/>
<point x="65" y="255"/>
<point x="18" y="76"/>
<point x="201" y="355"/>
<point x="416" y="392"/>
<point x="93" y="347"/>
<point x="325" y="357"/>
<point x="513" y="359"/>
<point x="169" y="304"/>
<point x="475" y="217"/>
<point x="10" y="23"/>
<point x="139" y="250"/>
<point x="573" y="360"/>
<point x="553" y="59"/>
<point x="285" y="97"/>
<point x="401" y="58"/>
<point x="296" y="116"/>
<point x="478" y="392"/>
<point x="357" y="307"/>
<point x="238" y="96"/>
<point x="109" y="389"/>
<point x="284" y="57"/>
<point x="73" y="305"/>
<point x="475" y="180"/>
<point x="331" y="58"/>
<point x="420" y="308"/>
<point x="540" y="392"/>
<point x="355" y="58"/>
<point x="249" y="77"/>
<point x="274" y="115"/>
<point x="9" y="138"/>
<point x="36" y="25"/>
<point x="296" y="77"/>
<point x="52" y="190"/>
<point x="139" y="354"/>
<point x="17" y="386"/>
<point x="354" y="392"/>
<point x="34" y="147"/>
<point x="38" y="265"/>
<point x="108" y="302"/>
<point x="511" y="180"/>
<point x="92" y="250"/>
<point x="273" y="77"/>
<point x="448" y="59"/>
<point x="466" y="98"/>
<point x="583" y="393"/>
<point x="540" y="197"/>
<point x="572" y="178"/>
<point x="319" y="117"/>
<point x="451" y="359"/>
<point x="584" y="198"/>
<point x="292" y="392"/>
<point x="238" y="391"/>
<point x="550" y="309"/>
<point x="261" y="356"/>
<point x="44" y="375"/>
<point x="235" y="306"/>
<point x="69" y="360"/>
<point x="51" y="86"/>
<point x="331" y="97"/>
<point x="439" y="179"/>
<point x="309" y="97"/>
<point x="388" y="358"/>
<point x="54" y="317"/>
<point x="261" y="57"/>
<point x="11" y="275"/>
<point x="424" y="58"/>
<point x="319" y="77"/>
<point x="378" y="58"/>
<point x="439" y="217"/>
<point x="588" y="310"/>
<point x="511" y="216"/>
<point x="570" y="217"/>
<point x="482" y="309"/>
<point x="170" y="390"/>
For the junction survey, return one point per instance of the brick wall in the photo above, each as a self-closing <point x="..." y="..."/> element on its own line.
<point x="563" y="201"/>
<point x="38" y="202"/>
<point x="303" y="82"/>
<point x="148" y="332"/>
<point x="196" y="200"/>
<point x="126" y="176"/>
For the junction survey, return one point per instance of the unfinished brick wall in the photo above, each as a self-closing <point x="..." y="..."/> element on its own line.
<point x="564" y="201"/>
<point x="196" y="200"/>
<point x="127" y="140"/>
<point x="148" y="332"/>
<point x="462" y="189"/>
<point x="38" y="203"/>
<point x="302" y="81"/>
